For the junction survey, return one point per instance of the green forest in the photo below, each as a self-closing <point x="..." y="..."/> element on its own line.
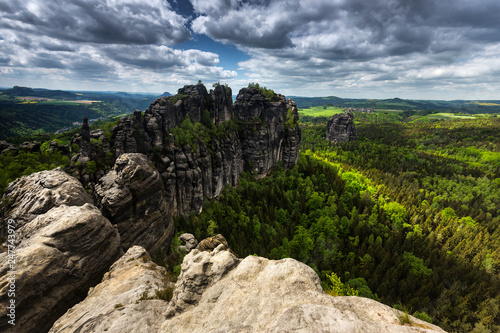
<point x="51" y="110"/>
<point x="407" y="215"/>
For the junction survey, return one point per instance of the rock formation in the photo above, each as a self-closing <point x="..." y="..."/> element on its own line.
<point x="59" y="256"/>
<point x="31" y="147"/>
<point x="33" y="195"/>
<point x="255" y="134"/>
<point x="269" y="130"/>
<point x="6" y="147"/>
<point x="63" y="245"/>
<point x="125" y="301"/>
<point x="190" y="242"/>
<point x="340" y="128"/>
<point x="211" y="243"/>
<point x="216" y="292"/>
<point x="132" y="196"/>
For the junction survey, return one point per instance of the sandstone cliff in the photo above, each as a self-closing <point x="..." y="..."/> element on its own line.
<point x="217" y="292"/>
<point x="194" y="145"/>
<point x="125" y="300"/>
<point x="63" y="245"/>
<point x="132" y="196"/>
<point x="340" y="128"/>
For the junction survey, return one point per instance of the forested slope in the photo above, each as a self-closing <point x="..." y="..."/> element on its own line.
<point x="408" y="214"/>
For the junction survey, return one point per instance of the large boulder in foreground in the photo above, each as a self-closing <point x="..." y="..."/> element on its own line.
<point x="33" y="195"/>
<point x="340" y="128"/>
<point x="217" y="292"/>
<point x="132" y="196"/>
<point x="261" y="295"/>
<point x="59" y="255"/>
<point x="125" y="301"/>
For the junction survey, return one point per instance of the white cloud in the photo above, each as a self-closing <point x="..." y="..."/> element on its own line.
<point x="358" y="47"/>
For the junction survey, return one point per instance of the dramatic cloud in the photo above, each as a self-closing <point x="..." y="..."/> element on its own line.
<point x="98" y="43"/>
<point x="97" y="21"/>
<point x="354" y="48"/>
<point x="358" y="47"/>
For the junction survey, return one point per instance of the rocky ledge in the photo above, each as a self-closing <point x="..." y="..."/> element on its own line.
<point x="217" y="292"/>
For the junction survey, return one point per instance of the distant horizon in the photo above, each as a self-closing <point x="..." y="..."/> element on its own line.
<point x="234" y="95"/>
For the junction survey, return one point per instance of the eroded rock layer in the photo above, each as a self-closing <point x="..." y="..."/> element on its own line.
<point x="217" y="292"/>
<point x="125" y="300"/>
<point x="59" y="255"/>
<point x="213" y="143"/>
<point x="340" y="128"/>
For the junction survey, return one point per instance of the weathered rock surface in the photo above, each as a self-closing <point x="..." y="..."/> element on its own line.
<point x="190" y="242"/>
<point x="59" y="255"/>
<point x="263" y="133"/>
<point x="132" y="196"/>
<point x="33" y="195"/>
<point x="200" y="270"/>
<point x="6" y="147"/>
<point x="30" y="146"/>
<point x="340" y="128"/>
<point x="269" y="130"/>
<point x="211" y="243"/>
<point x="122" y="301"/>
<point x="216" y="292"/>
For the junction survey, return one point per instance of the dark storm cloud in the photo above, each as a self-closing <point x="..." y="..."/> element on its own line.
<point x="146" y="57"/>
<point x="379" y="28"/>
<point x="53" y="46"/>
<point x="98" y="21"/>
<point x="47" y="63"/>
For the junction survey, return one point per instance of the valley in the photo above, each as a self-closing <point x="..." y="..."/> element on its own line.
<point x="407" y="214"/>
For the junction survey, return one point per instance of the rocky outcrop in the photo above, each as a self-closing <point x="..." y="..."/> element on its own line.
<point x="190" y="242"/>
<point x="30" y="147"/>
<point x="33" y="195"/>
<point x="125" y="301"/>
<point x="340" y="128"/>
<point x="133" y="197"/>
<point x="269" y="130"/>
<point x="59" y="255"/>
<point x="6" y="147"/>
<point x="211" y="243"/>
<point x="200" y="270"/>
<point x="255" y="134"/>
<point x="217" y="292"/>
<point x="261" y="295"/>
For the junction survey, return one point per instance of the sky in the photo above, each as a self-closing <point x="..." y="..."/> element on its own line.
<point x="415" y="49"/>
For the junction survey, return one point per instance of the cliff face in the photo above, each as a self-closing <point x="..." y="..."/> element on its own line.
<point x="215" y="143"/>
<point x="340" y="128"/>
<point x="269" y="130"/>
<point x="63" y="246"/>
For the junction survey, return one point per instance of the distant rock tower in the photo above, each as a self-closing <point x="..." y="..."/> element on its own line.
<point x="340" y="128"/>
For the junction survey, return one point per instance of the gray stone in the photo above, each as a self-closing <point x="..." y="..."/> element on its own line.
<point x="218" y="293"/>
<point x="29" y="196"/>
<point x="59" y="255"/>
<point x="31" y="147"/>
<point x="190" y="242"/>
<point x="5" y="147"/>
<point x="132" y="196"/>
<point x="124" y="301"/>
<point x="340" y="128"/>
